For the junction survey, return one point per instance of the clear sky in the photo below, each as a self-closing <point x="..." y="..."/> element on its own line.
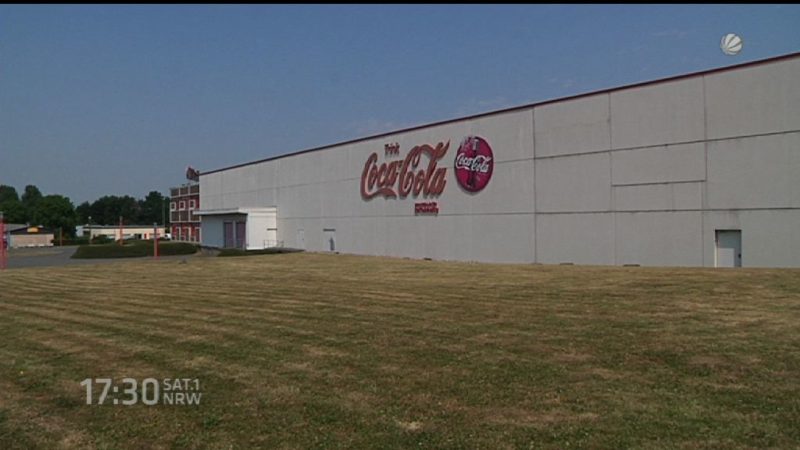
<point x="98" y="100"/>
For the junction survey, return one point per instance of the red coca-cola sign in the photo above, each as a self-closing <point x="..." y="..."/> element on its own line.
<point x="411" y="175"/>
<point x="474" y="164"/>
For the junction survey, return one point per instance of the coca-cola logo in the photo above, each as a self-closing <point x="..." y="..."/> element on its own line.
<point x="409" y="176"/>
<point x="474" y="164"/>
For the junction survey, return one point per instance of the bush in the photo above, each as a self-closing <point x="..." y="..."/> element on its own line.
<point x="71" y="241"/>
<point x="110" y="251"/>
<point x="134" y="249"/>
<point x="101" y="239"/>
<point x="266" y="251"/>
<point x="166" y="248"/>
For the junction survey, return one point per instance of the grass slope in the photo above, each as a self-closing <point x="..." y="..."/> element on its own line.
<point x="229" y="252"/>
<point x="323" y="351"/>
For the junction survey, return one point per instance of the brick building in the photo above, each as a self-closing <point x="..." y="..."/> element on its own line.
<point x="184" y="201"/>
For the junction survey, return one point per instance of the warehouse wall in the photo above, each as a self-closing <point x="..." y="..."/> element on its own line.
<point x="639" y="175"/>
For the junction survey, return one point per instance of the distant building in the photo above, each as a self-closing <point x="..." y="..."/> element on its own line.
<point x="184" y="201"/>
<point x="113" y="231"/>
<point x="29" y="236"/>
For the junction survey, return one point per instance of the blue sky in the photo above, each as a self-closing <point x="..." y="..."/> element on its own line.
<point x="98" y="100"/>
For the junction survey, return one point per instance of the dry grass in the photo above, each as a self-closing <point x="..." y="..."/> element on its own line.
<point x="304" y="350"/>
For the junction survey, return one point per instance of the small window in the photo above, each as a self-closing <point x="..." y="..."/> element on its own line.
<point x="173" y="206"/>
<point x="191" y="204"/>
<point x="183" y="205"/>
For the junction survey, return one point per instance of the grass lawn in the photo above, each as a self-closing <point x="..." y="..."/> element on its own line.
<point x="228" y="252"/>
<point x="335" y="351"/>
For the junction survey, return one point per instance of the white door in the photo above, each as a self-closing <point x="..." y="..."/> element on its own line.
<point x="729" y="248"/>
<point x="301" y="239"/>
<point x="330" y="240"/>
<point x="272" y="238"/>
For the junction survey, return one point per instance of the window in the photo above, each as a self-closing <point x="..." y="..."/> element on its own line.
<point x="183" y="205"/>
<point x="173" y="206"/>
<point x="191" y="204"/>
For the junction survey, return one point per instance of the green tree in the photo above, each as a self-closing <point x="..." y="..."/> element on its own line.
<point x="130" y="210"/>
<point x="31" y="196"/>
<point x="84" y="210"/>
<point x="30" y="199"/>
<point x="107" y="210"/>
<point x="10" y="205"/>
<point x="97" y="211"/>
<point x="166" y="213"/>
<point x="152" y="208"/>
<point x="8" y="193"/>
<point x="57" y="211"/>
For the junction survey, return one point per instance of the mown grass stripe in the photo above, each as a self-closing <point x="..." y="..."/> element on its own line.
<point x="321" y="350"/>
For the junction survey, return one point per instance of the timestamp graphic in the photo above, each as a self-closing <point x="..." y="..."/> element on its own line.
<point x="149" y="391"/>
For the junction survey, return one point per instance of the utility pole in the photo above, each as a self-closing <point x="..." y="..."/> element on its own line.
<point x="90" y="230"/>
<point x="120" y="231"/>
<point x="155" y="240"/>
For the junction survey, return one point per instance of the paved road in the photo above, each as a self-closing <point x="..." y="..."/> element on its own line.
<point x="60" y="256"/>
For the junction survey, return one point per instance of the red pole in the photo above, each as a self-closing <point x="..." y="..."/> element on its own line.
<point x="155" y="240"/>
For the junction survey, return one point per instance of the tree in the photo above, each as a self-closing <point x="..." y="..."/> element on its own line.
<point x="152" y="208"/>
<point x="32" y="196"/>
<point x="57" y="211"/>
<point x="30" y="199"/>
<point x="130" y="210"/>
<point x="84" y="210"/>
<point x="107" y="210"/>
<point x="166" y="213"/>
<point x="13" y="211"/>
<point x="8" y="193"/>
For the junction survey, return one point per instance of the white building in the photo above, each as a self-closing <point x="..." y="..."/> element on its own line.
<point x="114" y="232"/>
<point x="696" y="170"/>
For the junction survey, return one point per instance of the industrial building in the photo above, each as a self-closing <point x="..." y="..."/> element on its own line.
<point x="184" y="201"/>
<point x="19" y="235"/>
<point x="696" y="170"/>
<point x="117" y="232"/>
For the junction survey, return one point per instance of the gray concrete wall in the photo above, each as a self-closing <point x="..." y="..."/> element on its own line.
<point x="640" y="175"/>
<point x="769" y="236"/>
